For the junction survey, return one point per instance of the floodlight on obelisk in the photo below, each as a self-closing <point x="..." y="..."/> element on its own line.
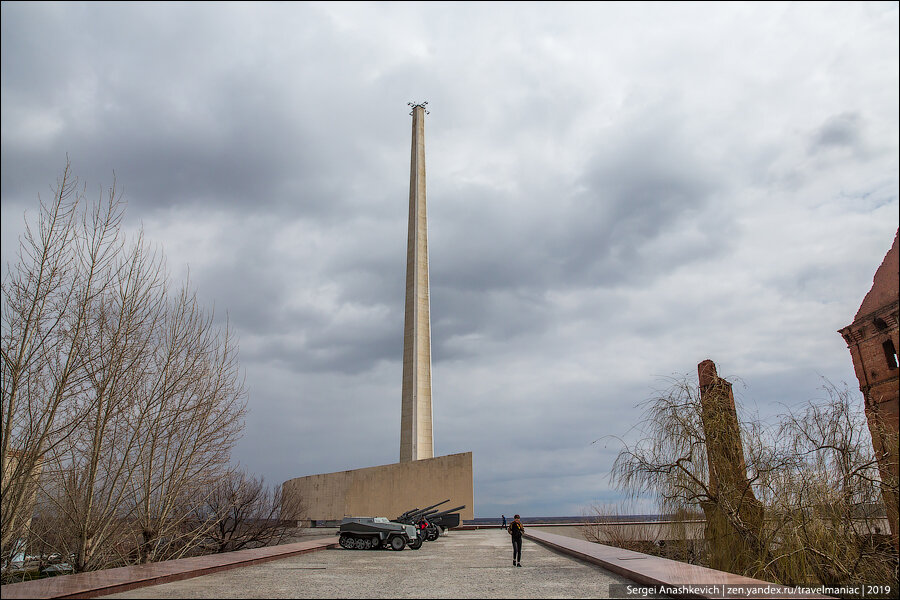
<point x="415" y="105"/>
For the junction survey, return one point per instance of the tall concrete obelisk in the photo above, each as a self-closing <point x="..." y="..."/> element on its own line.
<point x="416" y="439"/>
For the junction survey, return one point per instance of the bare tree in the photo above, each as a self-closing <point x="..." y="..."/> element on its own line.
<point x="814" y="478"/>
<point x="608" y="524"/>
<point x="674" y="537"/>
<point x="45" y="314"/>
<point x="193" y="406"/>
<point x="246" y="513"/>
<point x="99" y="460"/>
<point x="827" y="507"/>
<point x="121" y="403"/>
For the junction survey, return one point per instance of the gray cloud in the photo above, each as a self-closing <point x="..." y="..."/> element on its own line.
<point x="841" y="130"/>
<point x="616" y="192"/>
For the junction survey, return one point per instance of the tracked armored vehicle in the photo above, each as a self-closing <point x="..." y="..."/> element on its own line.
<point x="370" y="533"/>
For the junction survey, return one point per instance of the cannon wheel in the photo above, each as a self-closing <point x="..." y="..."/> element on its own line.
<point x="432" y="535"/>
<point x="397" y="543"/>
<point x="416" y="543"/>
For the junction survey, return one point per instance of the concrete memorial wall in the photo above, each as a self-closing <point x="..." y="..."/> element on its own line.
<point x="386" y="490"/>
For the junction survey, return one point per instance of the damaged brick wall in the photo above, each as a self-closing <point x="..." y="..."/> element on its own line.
<point x="874" y="339"/>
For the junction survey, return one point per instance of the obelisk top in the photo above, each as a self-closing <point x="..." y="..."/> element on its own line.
<point x="415" y="105"/>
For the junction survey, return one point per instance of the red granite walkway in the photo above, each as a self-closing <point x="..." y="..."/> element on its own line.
<point x="122" y="579"/>
<point x="696" y="581"/>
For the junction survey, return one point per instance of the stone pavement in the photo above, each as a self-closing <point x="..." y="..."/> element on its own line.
<point x="462" y="564"/>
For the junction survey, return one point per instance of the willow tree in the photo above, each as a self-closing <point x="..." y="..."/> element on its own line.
<point x="804" y="508"/>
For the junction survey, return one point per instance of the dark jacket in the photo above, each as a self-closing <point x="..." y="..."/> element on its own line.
<point x="516" y="529"/>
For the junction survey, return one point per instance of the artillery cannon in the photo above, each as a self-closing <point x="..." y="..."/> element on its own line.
<point x="367" y="533"/>
<point x="418" y="517"/>
<point x="447" y="519"/>
<point x="412" y="516"/>
<point x="429" y="520"/>
<point x="444" y="519"/>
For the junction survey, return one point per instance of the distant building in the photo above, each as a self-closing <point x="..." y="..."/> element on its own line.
<point x="873" y="339"/>
<point x="21" y="471"/>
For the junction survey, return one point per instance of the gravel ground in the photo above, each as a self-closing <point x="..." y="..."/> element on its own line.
<point x="462" y="564"/>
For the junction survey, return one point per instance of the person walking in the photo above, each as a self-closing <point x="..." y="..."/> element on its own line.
<point x="516" y="529"/>
<point x="504" y="521"/>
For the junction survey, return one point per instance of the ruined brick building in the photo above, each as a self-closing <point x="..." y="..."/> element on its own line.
<point x="873" y="339"/>
<point x="734" y="516"/>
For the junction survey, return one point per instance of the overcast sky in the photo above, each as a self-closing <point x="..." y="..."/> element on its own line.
<point x="616" y="192"/>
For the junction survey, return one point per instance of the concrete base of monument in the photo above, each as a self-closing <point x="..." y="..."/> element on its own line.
<point x="386" y="490"/>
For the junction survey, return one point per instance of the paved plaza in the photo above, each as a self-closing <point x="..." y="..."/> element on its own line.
<point x="462" y="564"/>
